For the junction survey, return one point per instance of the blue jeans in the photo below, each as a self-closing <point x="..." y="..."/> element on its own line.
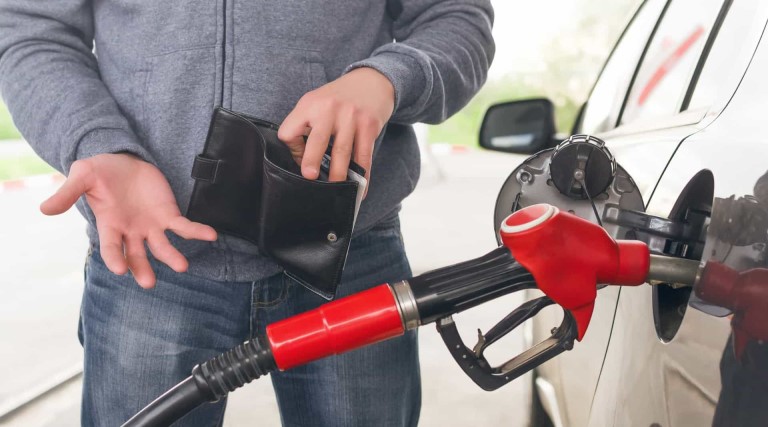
<point x="139" y="343"/>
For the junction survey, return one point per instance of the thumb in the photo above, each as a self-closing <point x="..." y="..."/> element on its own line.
<point x="66" y="195"/>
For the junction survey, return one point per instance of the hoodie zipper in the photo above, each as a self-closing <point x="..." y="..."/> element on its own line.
<point x="223" y="51"/>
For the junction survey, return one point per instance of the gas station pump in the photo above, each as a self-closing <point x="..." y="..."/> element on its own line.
<point x="569" y="221"/>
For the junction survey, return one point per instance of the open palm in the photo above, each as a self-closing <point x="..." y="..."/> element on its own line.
<point x="133" y="205"/>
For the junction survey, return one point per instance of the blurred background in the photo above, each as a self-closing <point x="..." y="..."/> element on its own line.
<point x="552" y="48"/>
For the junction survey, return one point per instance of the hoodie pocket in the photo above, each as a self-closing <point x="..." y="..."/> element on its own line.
<point x="268" y="81"/>
<point x="178" y="99"/>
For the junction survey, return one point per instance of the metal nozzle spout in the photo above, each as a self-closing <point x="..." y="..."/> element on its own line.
<point x="673" y="271"/>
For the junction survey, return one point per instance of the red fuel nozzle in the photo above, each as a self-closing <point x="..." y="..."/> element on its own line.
<point x="568" y="256"/>
<point x="565" y="256"/>
<point x="745" y="293"/>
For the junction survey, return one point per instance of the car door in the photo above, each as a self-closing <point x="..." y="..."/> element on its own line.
<point x="639" y="108"/>
<point x="647" y="130"/>
<point x="662" y="363"/>
<point x="567" y="383"/>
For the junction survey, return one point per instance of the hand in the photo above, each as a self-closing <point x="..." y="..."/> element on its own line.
<point x="354" y="109"/>
<point x="133" y="204"/>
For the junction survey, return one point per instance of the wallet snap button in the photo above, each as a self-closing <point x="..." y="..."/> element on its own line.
<point x="332" y="237"/>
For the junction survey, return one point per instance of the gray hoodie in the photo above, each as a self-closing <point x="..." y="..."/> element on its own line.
<point x="85" y="77"/>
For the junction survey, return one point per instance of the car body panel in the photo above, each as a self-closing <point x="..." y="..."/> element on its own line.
<point x="643" y="381"/>
<point x="678" y="383"/>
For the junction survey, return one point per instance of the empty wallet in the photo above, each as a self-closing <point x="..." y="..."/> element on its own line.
<point x="248" y="185"/>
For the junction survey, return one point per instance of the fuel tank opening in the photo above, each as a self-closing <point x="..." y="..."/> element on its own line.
<point x="693" y="209"/>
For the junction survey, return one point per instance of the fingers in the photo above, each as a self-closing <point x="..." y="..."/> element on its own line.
<point x="138" y="263"/>
<point x="119" y="260"/>
<point x="111" y="248"/>
<point x="192" y="230"/>
<point x="165" y="252"/>
<point x="294" y="126"/>
<point x="338" y="109"/>
<point x="342" y="149"/>
<point x="317" y="143"/>
<point x="364" y="141"/>
<point x="296" y="145"/>
<point x="66" y="195"/>
<point x="122" y="252"/>
<point x="292" y="132"/>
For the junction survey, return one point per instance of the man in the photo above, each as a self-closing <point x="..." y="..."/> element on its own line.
<point x="117" y="94"/>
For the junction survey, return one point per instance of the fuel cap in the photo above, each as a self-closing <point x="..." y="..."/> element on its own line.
<point x="582" y="162"/>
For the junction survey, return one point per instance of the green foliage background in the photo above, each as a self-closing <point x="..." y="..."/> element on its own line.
<point x="464" y="127"/>
<point x="573" y="58"/>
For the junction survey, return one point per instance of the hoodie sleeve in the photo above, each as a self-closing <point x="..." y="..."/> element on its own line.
<point x="49" y="79"/>
<point x="439" y="59"/>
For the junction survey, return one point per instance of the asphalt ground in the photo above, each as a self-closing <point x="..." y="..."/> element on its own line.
<point x="448" y="219"/>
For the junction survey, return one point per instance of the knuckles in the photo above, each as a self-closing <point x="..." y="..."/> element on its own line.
<point x="342" y="149"/>
<point x="319" y="104"/>
<point x="370" y="123"/>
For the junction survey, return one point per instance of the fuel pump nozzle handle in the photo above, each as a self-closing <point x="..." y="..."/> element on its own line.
<point x="569" y="256"/>
<point x="561" y="254"/>
<point x="383" y="312"/>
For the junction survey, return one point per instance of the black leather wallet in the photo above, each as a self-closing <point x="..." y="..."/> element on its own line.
<point x="248" y="185"/>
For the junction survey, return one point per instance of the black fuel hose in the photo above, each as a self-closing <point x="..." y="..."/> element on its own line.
<point x="435" y="294"/>
<point x="171" y="406"/>
<point x="209" y="382"/>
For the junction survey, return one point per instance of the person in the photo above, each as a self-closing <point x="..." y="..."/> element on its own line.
<point x="118" y="94"/>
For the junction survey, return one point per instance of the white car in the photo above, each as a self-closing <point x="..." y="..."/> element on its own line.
<point x="682" y="104"/>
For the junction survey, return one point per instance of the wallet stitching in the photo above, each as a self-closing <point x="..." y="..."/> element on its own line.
<point x="207" y="163"/>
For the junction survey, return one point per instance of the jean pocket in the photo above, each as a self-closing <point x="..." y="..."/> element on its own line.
<point x="385" y="233"/>
<point x="271" y="292"/>
<point x="387" y="228"/>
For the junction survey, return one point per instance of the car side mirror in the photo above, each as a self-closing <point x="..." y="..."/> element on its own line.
<point x="525" y="126"/>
